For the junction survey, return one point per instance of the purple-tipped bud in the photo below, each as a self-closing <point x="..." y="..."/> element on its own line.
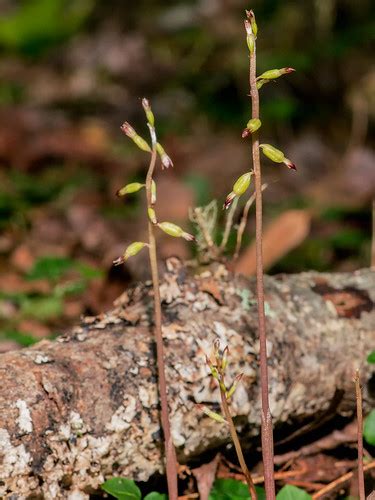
<point x="290" y="164"/>
<point x="287" y="70"/>
<point x="149" y="114"/>
<point x="245" y="133"/>
<point x="251" y="17"/>
<point x="128" y="130"/>
<point x="229" y="199"/>
<point x="166" y="161"/>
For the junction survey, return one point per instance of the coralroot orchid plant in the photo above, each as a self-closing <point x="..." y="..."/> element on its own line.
<point x="239" y="188"/>
<point x="217" y="363"/>
<point x="155" y="150"/>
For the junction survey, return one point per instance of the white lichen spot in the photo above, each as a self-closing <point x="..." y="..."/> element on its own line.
<point x="14" y="460"/>
<point x="176" y="428"/>
<point x="121" y="419"/>
<point x="41" y="359"/>
<point x="24" y="419"/>
<point x="76" y="422"/>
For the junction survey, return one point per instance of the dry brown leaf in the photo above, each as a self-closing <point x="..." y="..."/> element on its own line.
<point x="205" y="476"/>
<point x="283" y="234"/>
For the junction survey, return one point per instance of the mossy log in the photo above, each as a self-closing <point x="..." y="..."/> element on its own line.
<point x="85" y="407"/>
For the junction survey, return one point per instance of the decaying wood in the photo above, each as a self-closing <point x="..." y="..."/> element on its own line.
<point x="82" y="408"/>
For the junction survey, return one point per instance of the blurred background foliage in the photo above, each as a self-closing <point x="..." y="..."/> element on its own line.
<point x="71" y="71"/>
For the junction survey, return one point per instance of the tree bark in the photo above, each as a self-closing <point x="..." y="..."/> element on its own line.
<point x="84" y="407"/>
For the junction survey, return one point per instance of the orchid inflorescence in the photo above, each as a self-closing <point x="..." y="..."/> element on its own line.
<point x="167" y="227"/>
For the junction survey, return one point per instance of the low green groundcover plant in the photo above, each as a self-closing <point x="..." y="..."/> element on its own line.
<point x="223" y="489"/>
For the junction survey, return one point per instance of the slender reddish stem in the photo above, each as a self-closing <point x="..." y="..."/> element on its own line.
<point x="361" y="477"/>
<point x="267" y="433"/>
<point x="237" y="444"/>
<point x="171" y="461"/>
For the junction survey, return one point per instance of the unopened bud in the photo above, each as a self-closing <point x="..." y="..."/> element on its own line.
<point x="242" y="183"/>
<point x="212" y="414"/>
<point x="132" y="250"/>
<point x="228" y="200"/>
<point x="260" y="83"/>
<point x="234" y="386"/>
<point x="250" y="40"/>
<point x="252" y="126"/>
<point x="176" y="231"/>
<point x="212" y="368"/>
<point x="224" y="358"/>
<point x="272" y="74"/>
<point x="251" y="17"/>
<point x="149" y="114"/>
<point x="272" y="153"/>
<point x="165" y="159"/>
<point x="133" y="187"/>
<point x="290" y="164"/>
<point x="152" y="215"/>
<point x="138" y="140"/>
<point x="153" y="192"/>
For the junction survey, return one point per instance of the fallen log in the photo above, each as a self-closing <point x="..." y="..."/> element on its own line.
<point x="85" y="407"/>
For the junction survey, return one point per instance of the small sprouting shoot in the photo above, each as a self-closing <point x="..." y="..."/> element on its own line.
<point x="175" y="231"/>
<point x="276" y="155"/>
<point x="131" y="250"/>
<point x="239" y="188"/>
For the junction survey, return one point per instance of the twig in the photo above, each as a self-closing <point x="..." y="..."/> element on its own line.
<point x="228" y="224"/>
<point x="358" y="396"/>
<point x="236" y="442"/>
<point x="171" y="461"/>
<point x="266" y="429"/>
<point x="242" y="225"/>
<point x="339" y="481"/>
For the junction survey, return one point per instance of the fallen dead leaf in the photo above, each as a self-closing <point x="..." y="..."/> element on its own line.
<point x="283" y="234"/>
<point x="205" y="476"/>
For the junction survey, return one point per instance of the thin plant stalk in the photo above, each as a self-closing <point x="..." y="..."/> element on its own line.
<point x="266" y="429"/>
<point x="358" y="397"/>
<point x="372" y="264"/>
<point x="171" y="460"/>
<point x="242" y="224"/>
<point x="237" y="445"/>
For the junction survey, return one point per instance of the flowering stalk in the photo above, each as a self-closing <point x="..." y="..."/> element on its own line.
<point x="171" y="460"/>
<point x="172" y="230"/>
<point x="217" y="364"/>
<point x="278" y="156"/>
<point x="361" y="477"/>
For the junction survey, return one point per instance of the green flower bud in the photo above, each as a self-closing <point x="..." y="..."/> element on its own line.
<point x="224" y="359"/>
<point x="272" y="74"/>
<point x="131" y="133"/>
<point x="175" y="231"/>
<point x="242" y="183"/>
<point x="272" y="153"/>
<point x="251" y="16"/>
<point x="165" y="159"/>
<point x="231" y="391"/>
<point x="212" y="414"/>
<point x="153" y="192"/>
<point x="149" y="114"/>
<point x="152" y="215"/>
<point x="131" y="250"/>
<point x="141" y="143"/>
<point x="130" y="188"/>
<point x="250" y="43"/>
<point x="252" y="126"/>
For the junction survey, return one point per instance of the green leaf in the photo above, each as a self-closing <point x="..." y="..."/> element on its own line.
<point x="22" y="338"/>
<point x="50" y="268"/>
<point x="122" y="488"/>
<point x="289" y="492"/>
<point x="42" y="308"/>
<point x="155" y="496"/>
<point x="230" y="489"/>
<point x="369" y="428"/>
<point x="371" y="358"/>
